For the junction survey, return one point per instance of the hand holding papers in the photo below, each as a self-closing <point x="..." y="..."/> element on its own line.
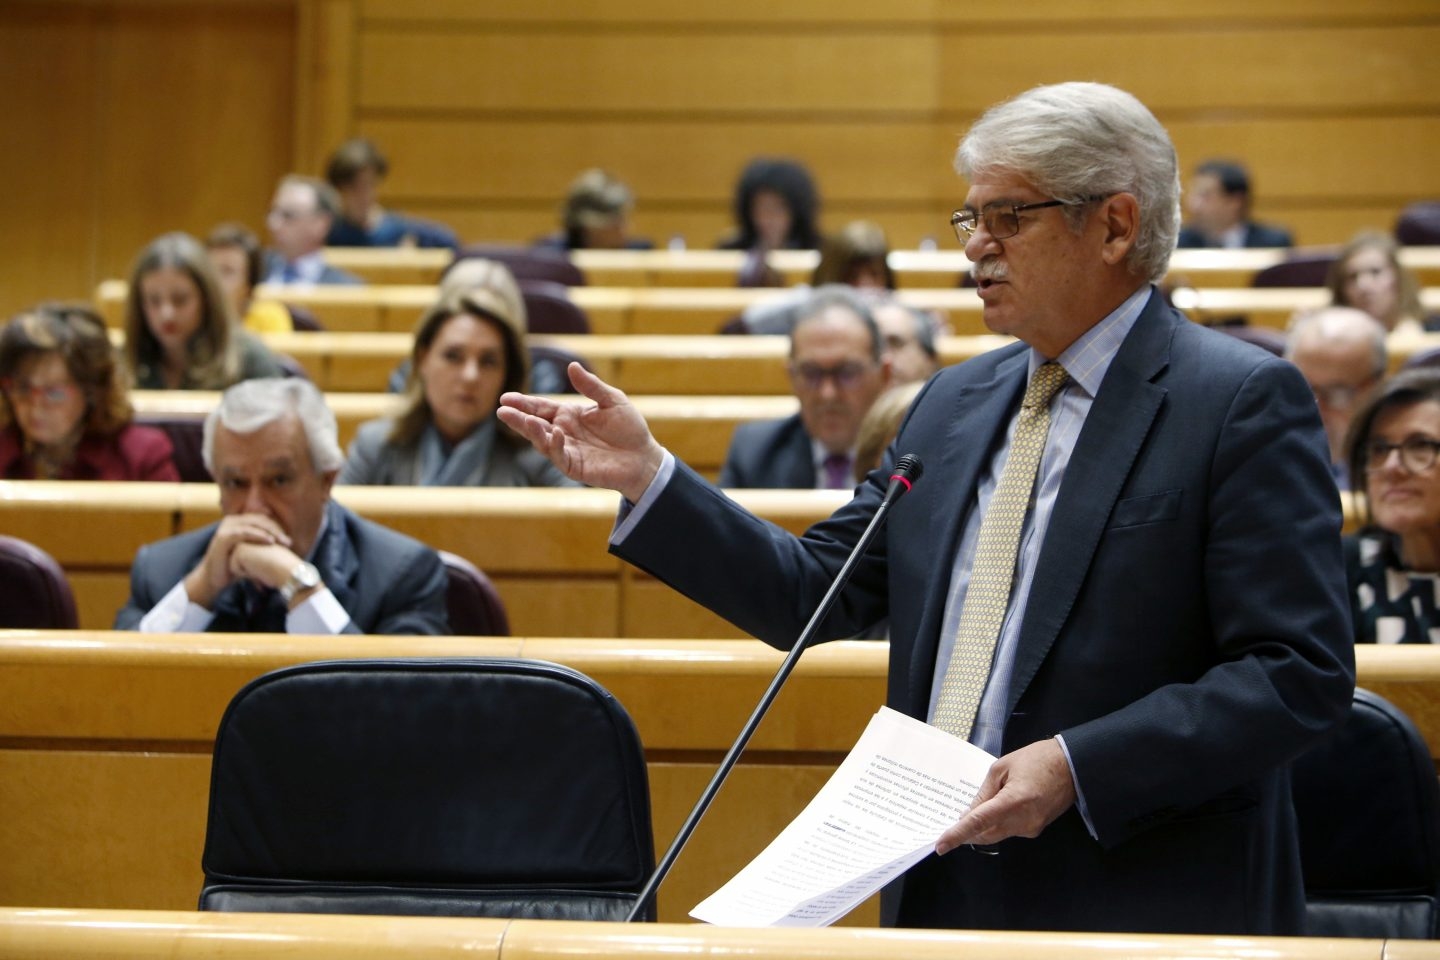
<point x="903" y="785"/>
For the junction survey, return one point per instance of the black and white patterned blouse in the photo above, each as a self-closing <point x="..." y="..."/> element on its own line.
<point x="1389" y="603"/>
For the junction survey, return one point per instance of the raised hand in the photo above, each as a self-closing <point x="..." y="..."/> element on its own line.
<point x="604" y="443"/>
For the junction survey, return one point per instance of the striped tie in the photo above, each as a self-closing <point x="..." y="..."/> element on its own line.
<point x="993" y="571"/>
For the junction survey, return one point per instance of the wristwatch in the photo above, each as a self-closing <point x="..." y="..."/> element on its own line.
<point x="303" y="577"/>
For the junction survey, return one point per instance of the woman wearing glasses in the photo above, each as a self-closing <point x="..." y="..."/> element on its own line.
<point x="64" y="412"/>
<point x="1394" y="562"/>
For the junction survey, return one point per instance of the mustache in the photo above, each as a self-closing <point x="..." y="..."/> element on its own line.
<point x="990" y="268"/>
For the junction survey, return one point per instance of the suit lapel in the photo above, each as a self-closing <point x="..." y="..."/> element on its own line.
<point x="973" y="424"/>
<point x="337" y="563"/>
<point x="1115" y="429"/>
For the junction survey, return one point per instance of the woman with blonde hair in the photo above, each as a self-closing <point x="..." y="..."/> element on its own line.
<point x="180" y="331"/>
<point x="469" y="348"/>
<point x="1368" y="275"/>
<point x="64" y="410"/>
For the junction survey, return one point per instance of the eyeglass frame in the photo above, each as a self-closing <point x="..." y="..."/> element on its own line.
<point x="52" y="396"/>
<point x="964" y="233"/>
<point x="846" y="376"/>
<point x="1407" y="448"/>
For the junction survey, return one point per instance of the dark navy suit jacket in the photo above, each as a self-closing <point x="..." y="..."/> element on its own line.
<point x="770" y="454"/>
<point x="387" y="582"/>
<point x="1256" y="235"/>
<point x="1187" y="631"/>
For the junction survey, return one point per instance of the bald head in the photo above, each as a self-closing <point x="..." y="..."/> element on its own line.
<point x="1341" y="353"/>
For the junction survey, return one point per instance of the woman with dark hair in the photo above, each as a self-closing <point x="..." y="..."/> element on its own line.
<point x="1393" y="563"/>
<point x="776" y="208"/>
<point x="180" y="333"/>
<point x="469" y="348"/>
<point x="1368" y="275"/>
<point x="64" y="410"/>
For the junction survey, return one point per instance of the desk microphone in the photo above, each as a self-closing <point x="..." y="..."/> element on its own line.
<point x="906" y="474"/>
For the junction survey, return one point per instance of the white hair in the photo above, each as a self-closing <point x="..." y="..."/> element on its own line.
<point x="1078" y="140"/>
<point x="251" y="404"/>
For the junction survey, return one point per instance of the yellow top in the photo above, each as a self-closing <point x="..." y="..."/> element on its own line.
<point x="268" y="316"/>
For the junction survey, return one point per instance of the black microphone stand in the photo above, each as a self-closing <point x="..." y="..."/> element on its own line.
<point x="907" y="469"/>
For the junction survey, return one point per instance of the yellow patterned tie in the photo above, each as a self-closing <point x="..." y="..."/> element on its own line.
<point x="993" y="571"/>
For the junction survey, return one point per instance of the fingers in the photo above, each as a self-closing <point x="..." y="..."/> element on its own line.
<point x="1022" y="794"/>
<point x="536" y="429"/>
<point x="593" y="387"/>
<point x="525" y="403"/>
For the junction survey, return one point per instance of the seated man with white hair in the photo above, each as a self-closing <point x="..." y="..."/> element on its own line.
<point x="285" y="558"/>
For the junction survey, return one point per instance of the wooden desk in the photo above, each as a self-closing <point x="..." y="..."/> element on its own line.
<point x="176" y="935"/>
<point x="720" y="268"/>
<point x="105" y="742"/>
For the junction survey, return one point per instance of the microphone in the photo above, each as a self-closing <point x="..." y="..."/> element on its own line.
<point x="905" y="475"/>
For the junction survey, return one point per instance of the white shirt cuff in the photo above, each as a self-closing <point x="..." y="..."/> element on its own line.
<point x="1079" y="796"/>
<point x="319" y="613"/>
<point x="632" y="513"/>
<point x="176" y="614"/>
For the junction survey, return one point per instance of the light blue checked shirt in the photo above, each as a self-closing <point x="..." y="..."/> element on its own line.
<point x="1086" y="360"/>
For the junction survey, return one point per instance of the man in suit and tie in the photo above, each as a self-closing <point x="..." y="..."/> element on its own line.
<point x="1121" y="572"/>
<point x="1219" y="205"/>
<point x="838" y="366"/>
<point x="301" y="215"/>
<point x="285" y="558"/>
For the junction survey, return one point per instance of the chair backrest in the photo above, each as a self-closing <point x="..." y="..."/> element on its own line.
<point x="1368" y="806"/>
<point x="526" y="263"/>
<point x="549" y="309"/>
<point x="303" y="319"/>
<point x="187" y="437"/>
<point x="1419" y="224"/>
<point x="549" y="368"/>
<point x="1266" y="338"/>
<point x="1301" y="269"/>
<point x="1429" y="357"/>
<point x="496" y="788"/>
<point x="473" y="603"/>
<point x="34" y="594"/>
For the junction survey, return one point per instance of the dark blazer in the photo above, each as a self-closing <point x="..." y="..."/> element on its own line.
<point x="386" y="581"/>
<point x="1256" y="235"/>
<point x="770" y="454"/>
<point x="1187" y="631"/>
<point x="274" y="262"/>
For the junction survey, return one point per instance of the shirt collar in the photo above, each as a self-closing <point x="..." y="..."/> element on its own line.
<point x="1088" y="359"/>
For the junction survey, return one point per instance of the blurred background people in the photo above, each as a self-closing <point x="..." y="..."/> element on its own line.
<point x="857" y="256"/>
<point x="1341" y="353"/>
<point x="1218" y="203"/>
<point x="356" y="170"/>
<point x="596" y="216"/>
<point x="469" y="348"/>
<point x="180" y="333"/>
<point x="1393" y="563"/>
<point x="65" y="413"/>
<point x="776" y="208"/>
<point x="837" y="367"/>
<point x="909" y="335"/>
<point x="301" y="215"/>
<point x="880" y="425"/>
<point x="235" y="254"/>
<point x="1368" y="275"/>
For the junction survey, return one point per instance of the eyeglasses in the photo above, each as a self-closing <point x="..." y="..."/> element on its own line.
<point x="22" y="391"/>
<point x="1417" y="454"/>
<point x="1002" y="220"/>
<point x="812" y="376"/>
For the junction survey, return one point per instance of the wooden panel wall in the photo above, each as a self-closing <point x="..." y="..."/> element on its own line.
<point x="131" y="117"/>
<point x="128" y="118"/>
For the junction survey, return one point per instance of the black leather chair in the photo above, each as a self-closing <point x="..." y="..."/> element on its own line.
<point x="187" y="435"/>
<point x="1419" y="224"/>
<point x="1368" y="805"/>
<point x="480" y="788"/>
<point x="526" y="263"/>
<point x="1300" y="269"/>
<point x="550" y="366"/>
<point x="34" y="593"/>
<point x="472" y="603"/>
<point x="549" y="309"/>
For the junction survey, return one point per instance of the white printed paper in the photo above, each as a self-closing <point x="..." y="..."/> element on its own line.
<point x="881" y="812"/>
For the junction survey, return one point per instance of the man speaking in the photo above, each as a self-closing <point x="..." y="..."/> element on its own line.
<point x="1121" y="573"/>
